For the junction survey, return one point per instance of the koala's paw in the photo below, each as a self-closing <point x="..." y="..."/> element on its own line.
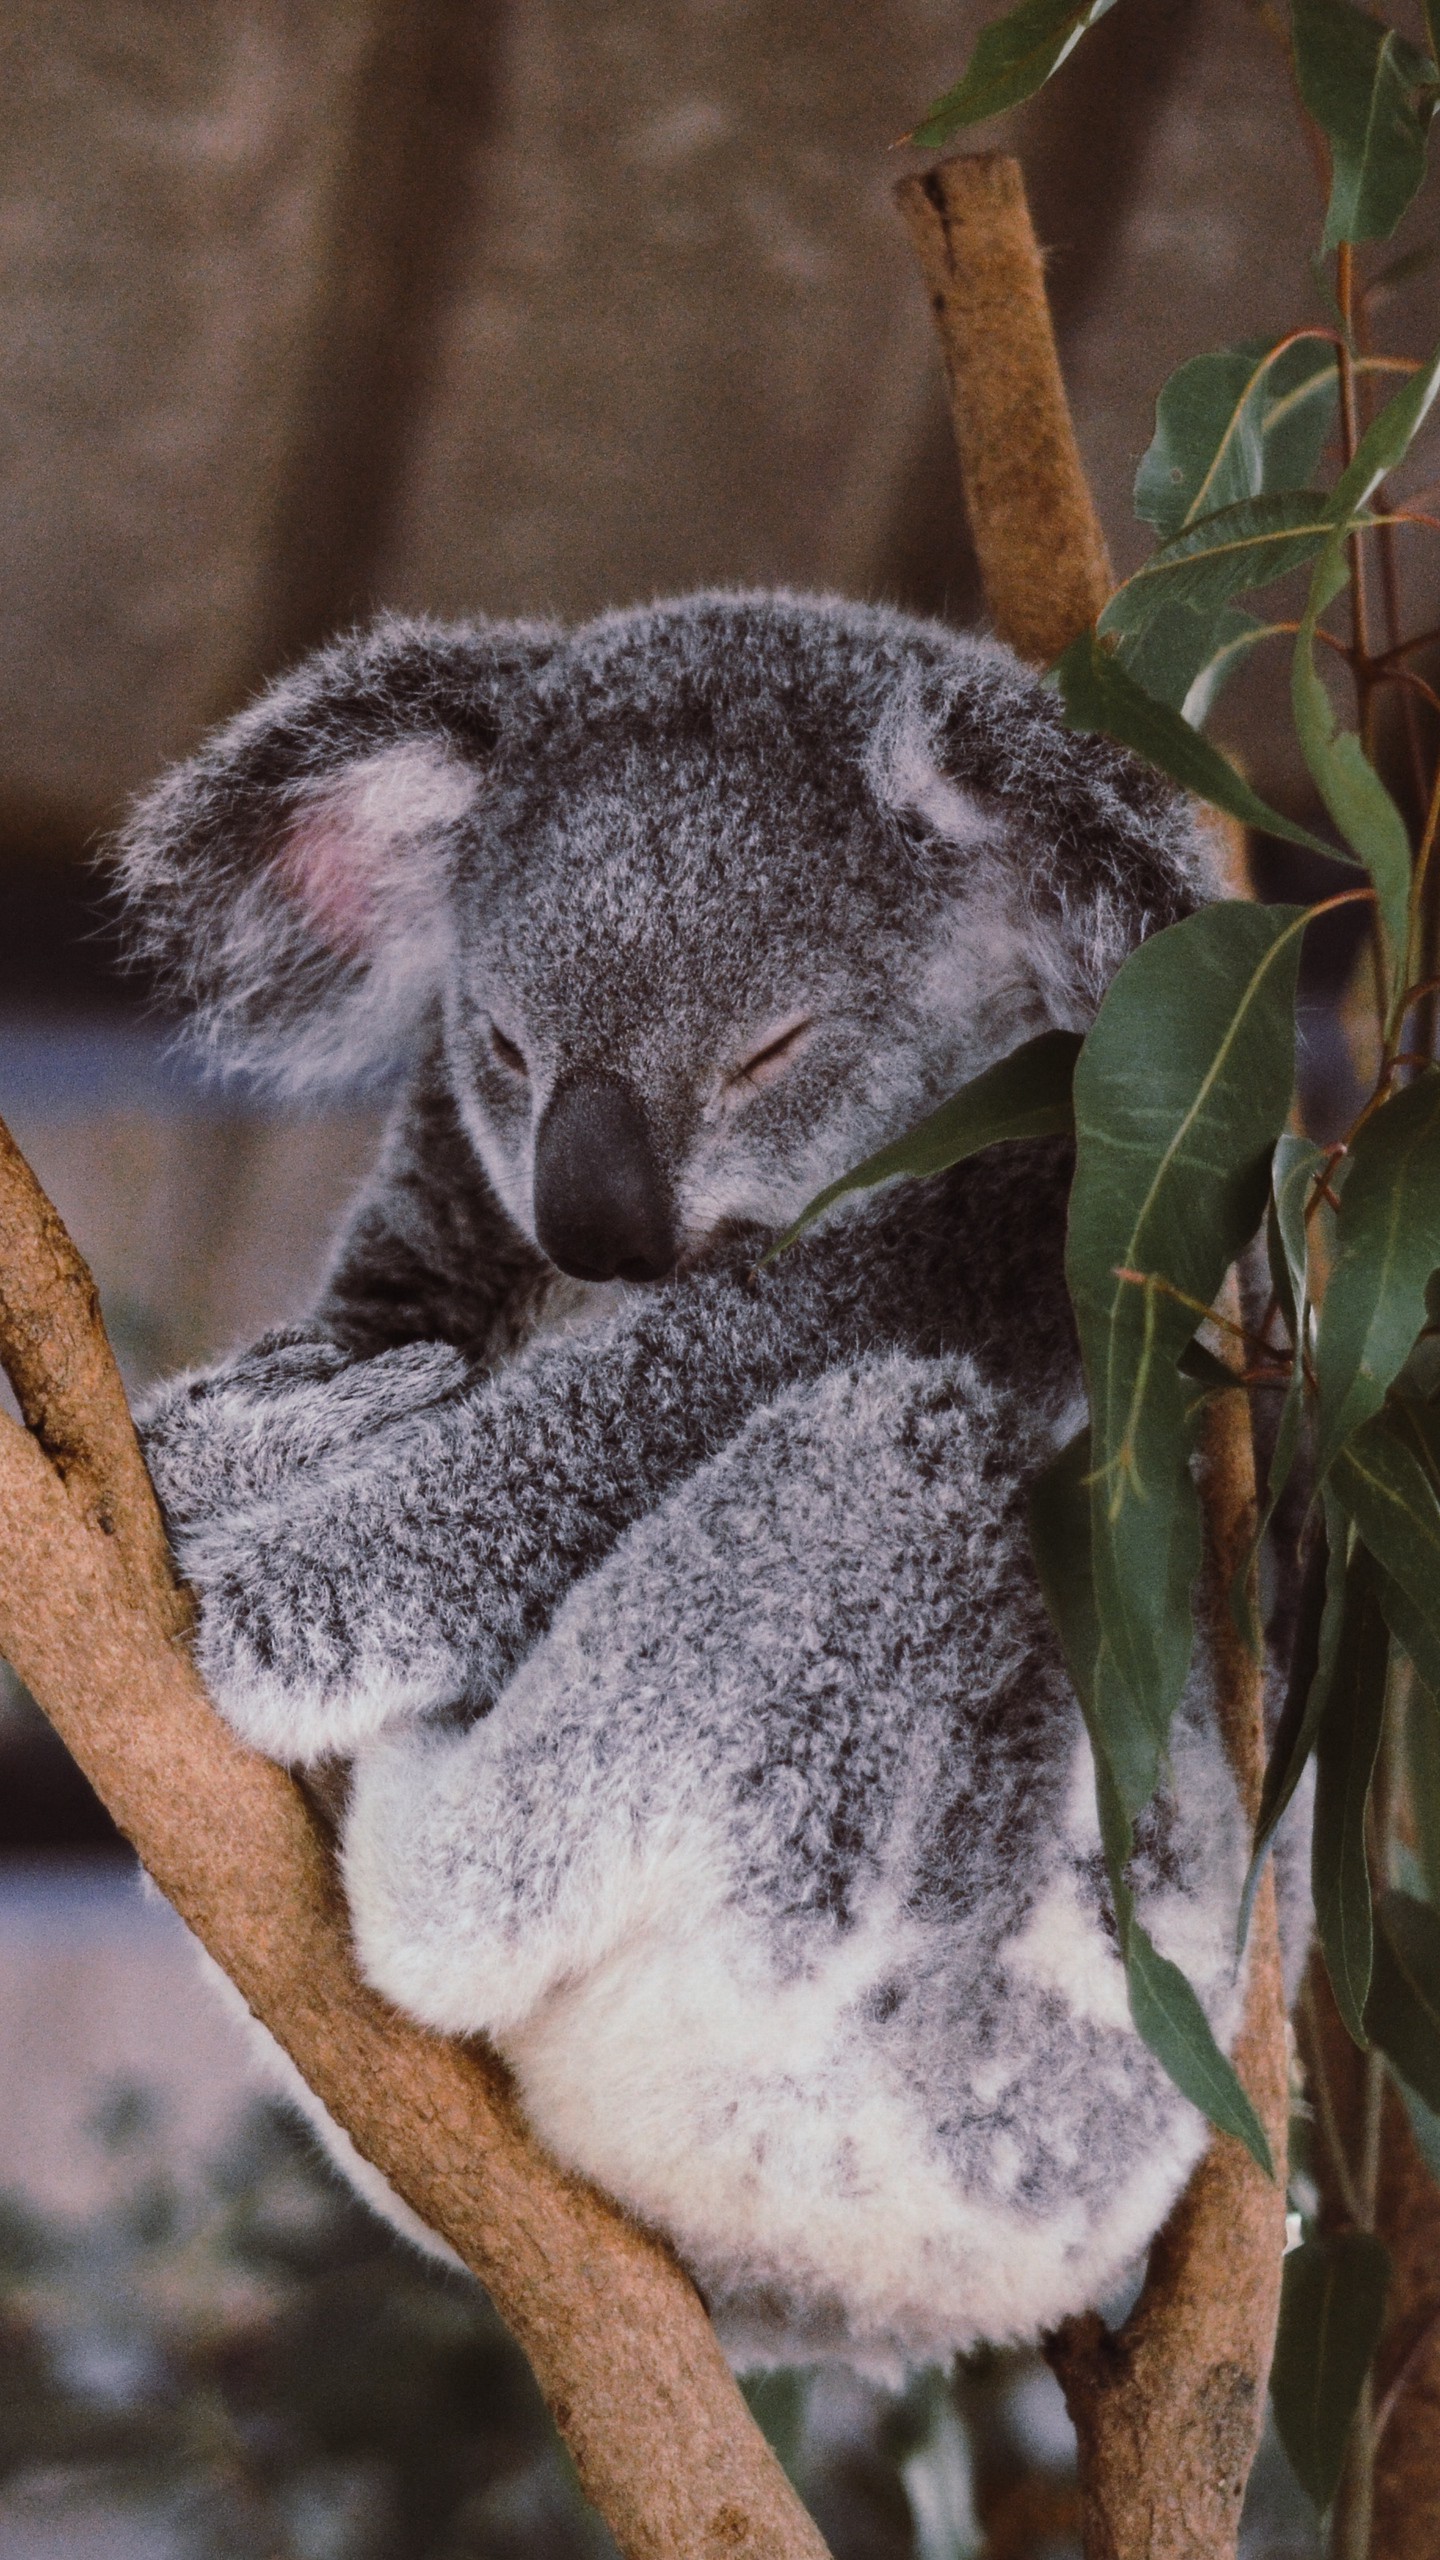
<point x="218" y="1440"/>
<point x="306" y="1646"/>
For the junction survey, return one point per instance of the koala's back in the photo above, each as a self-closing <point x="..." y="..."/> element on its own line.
<point x="790" y="1916"/>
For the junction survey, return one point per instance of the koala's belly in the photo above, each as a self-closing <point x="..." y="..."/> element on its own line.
<point x="806" y="2181"/>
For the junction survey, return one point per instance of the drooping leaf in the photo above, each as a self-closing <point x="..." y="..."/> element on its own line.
<point x="1297" y="1161"/>
<point x="1311" y="1661"/>
<point x="1233" y="425"/>
<point x="1387" y="1491"/>
<point x="1387" y="1246"/>
<point x="1422" y="1761"/>
<point x="1167" y="2014"/>
<point x="1170" y="2020"/>
<point x="1332" y="2310"/>
<point x="1026" y="1095"/>
<point x="1414" y="1631"/>
<point x="1347" y="1744"/>
<point x="1166" y="620"/>
<point x="1100" y="694"/>
<point x="1013" y="57"/>
<point x="1365" y="87"/>
<point x="1230" y="642"/>
<point x="1180" y="1093"/>
<point x="1348" y="783"/>
<point x="1402" y="2013"/>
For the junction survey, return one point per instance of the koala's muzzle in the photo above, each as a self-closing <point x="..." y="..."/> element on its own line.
<point x="602" y="1205"/>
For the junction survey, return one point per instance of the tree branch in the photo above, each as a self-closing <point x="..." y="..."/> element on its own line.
<point x="92" y="1620"/>
<point x="1168" y="2410"/>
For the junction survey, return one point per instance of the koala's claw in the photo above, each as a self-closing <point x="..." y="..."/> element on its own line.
<point x="293" y="1406"/>
<point x="302" y="1654"/>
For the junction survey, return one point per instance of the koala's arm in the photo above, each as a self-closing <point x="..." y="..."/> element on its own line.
<point x="429" y="1286"/>
<point x="419" y="1576"/>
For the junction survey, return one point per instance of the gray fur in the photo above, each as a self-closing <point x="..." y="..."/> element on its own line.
<point x="712" y="1750"/>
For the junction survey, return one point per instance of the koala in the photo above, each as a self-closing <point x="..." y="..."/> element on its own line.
<point x="709" y="1748"/>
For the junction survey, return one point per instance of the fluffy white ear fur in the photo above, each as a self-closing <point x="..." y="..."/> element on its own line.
<point x="355" y="855"/>
<point x="350" y="918"/>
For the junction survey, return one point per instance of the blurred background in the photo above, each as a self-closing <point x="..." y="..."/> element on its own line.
<point x="515" y="306"/>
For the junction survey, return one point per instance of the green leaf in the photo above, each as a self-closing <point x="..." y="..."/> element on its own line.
<point x="1332" y="2310"/>
<point x="1364" y="86"/>
<point x="1015" y="56"/>
<point x="1387" y="1246"/>
<point x="1167" y="2015"/>
<point x="1170" y="2020"/>
<point x="1387" y="1491"/>
<point x="1352" y="1714"/>
<point x="1348" y="783"/>
<point x="1422" y="1757"/>
<point x="1403" y="2010"/>
<point x="1311" y="1660"/>
<point x="1026" y="1095"/>
<point x="1233" y="425"/>
<point x="1099" y="693"/>
<point x="1166" y="620"/>
<point x="1180" y="1093"/>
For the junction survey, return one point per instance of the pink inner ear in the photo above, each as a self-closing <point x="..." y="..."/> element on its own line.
<point x="323" y="866"/>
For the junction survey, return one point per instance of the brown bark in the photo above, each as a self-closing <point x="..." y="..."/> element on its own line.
<point x="93" y="1623"/>
<point x="1037" y="537"/>
<point x="1168" y="2410"/>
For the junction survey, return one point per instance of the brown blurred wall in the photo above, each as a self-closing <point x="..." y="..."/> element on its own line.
<point x="536" y="305"/>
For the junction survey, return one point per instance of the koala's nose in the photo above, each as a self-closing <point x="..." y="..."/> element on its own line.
<point x="602" y="1207"/>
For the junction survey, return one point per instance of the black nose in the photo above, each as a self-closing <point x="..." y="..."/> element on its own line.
<point x="602" y="1208"/>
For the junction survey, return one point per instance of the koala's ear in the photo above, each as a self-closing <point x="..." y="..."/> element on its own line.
<point x="289" y="884"/>
<point x="1090" y="849"/>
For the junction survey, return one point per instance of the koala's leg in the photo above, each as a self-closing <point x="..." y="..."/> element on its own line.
<point x="775" y="1874"/>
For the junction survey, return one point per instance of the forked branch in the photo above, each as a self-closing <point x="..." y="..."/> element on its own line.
<point x="92" y="1620"/>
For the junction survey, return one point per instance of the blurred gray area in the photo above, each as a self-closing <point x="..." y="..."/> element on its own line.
<point x="309" y="307"/>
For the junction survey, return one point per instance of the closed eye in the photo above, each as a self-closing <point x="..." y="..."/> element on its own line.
<point x="505" y="1050"/>
<point x="763" y="1065"/>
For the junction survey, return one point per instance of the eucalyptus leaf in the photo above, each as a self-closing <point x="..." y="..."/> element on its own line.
<point x="1167" y="619"/>
<point x="1180" y="1093"/>
<point x="1348" y="783"/>
<point x="1347" y="1746"/>
<point x="1026" y="1095"/>
<point x="1387" y="1247"/>
<point x="1332" y="2310"/>
<point x="1166" y="2012"/>
<point x="1100" y="694"/>
<point x="1388" y="1493"/>
<point x="1422" y="1759"/>
<point x="1403" y="2010"/>
<point x="1234" y="425"/>
<point x="1312" y="1657"/>
<point x="1365" y="87"/>
<point x="1170" y="2020"/>
<point x="1415" y="1631"/>
<point x="1013" y="57"/>
<point x="1231" y="640"/>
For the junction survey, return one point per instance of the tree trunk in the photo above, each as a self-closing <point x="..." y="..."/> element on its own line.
<point x="1167" y="2411"/>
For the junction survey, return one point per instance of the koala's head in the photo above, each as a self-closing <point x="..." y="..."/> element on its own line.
<point x="702" y="902"/>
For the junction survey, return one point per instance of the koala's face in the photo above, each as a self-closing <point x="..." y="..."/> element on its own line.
<point x="707" y="954"/>
<point x="711" y="899"/>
